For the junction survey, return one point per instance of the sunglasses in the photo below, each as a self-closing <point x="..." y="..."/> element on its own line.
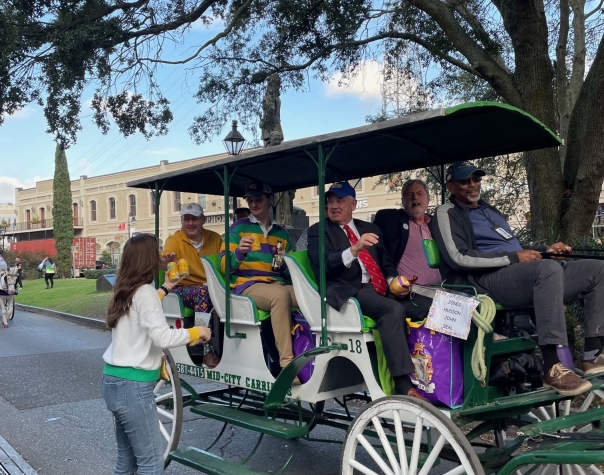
<point x="467" y="181"/>
<point x="145" y="234"/>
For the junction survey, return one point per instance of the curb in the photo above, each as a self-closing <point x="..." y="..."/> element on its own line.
<point x="11" y="462"/>
<point x="70" y="317"/>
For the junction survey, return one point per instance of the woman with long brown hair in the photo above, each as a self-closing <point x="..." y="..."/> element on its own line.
<point x="139" y="331"/>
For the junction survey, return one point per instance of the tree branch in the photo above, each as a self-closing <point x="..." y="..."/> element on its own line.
<point x="499" y="79"/>
<point x="213" y="41"/>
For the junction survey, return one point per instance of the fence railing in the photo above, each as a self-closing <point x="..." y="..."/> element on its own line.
<point x="38" y="224"/>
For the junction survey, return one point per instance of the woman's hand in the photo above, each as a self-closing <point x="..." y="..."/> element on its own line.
<point x="204" y="335"/>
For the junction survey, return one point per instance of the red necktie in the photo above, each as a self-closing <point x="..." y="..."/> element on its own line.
<point x="377" y="278"/>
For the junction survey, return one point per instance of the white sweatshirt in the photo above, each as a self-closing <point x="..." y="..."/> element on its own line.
<point x="139" y="336"/>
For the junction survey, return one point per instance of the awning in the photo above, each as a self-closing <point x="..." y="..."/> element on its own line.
<point x="441" y="136"/>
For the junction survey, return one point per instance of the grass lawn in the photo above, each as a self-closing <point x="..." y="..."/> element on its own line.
<point x="77" y="296"/>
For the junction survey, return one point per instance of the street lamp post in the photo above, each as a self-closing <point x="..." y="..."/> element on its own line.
<point x="234" y="143"/>
<point x="131" y="220"/>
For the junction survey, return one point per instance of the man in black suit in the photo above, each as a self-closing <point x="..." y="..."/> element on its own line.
<point x="358" y="265"/>
<point x="403" y="231"/>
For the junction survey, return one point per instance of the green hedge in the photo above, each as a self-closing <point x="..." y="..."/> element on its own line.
<point x="96" y="273"/>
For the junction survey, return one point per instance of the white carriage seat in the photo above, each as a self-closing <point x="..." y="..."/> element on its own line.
<point x="348" y="319"/>
<point x="243" y="309"/>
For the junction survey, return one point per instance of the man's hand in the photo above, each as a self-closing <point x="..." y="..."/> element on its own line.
<point x="559" y="248"/>
<point x="528" y="255"/>
<point x="366" y="240"/>
<point x="170" y="257"/>
<point x="245" y="245"/>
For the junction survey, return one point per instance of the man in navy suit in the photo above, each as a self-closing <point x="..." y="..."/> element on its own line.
<point x="358" y="265"/>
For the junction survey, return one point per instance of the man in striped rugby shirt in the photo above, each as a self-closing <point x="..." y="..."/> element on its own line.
<point x="253" y="244"/>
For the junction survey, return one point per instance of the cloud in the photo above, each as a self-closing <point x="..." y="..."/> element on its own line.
<point x="366" y="84"/>
<point x="21" y="114"/>
<point x="8" y="185"/>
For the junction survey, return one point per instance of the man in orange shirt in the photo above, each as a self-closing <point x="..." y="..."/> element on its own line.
<point x="191" y="242"/>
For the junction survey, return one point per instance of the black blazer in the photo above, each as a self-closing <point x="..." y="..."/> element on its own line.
<point x="344" y="282"/>
<point x="394" y="224"/>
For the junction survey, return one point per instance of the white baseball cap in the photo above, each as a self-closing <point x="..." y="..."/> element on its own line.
<point x="193" y="209"/>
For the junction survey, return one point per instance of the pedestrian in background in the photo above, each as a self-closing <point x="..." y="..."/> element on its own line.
<point x="50" y="269"/>
<point x="19" y="266"/>
<point x="139" y="331"/>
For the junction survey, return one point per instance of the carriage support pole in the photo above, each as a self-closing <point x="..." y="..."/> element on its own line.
<point x="226" y="183"/>
<point x="157" y="192"/>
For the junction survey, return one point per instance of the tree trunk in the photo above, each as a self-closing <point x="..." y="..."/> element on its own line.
<point x="584" y="166"/>
<point x="526" y="24"/>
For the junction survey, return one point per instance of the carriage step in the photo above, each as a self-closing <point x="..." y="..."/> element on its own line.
<point x="253" y="422"/>
<point x="209" y="463"/>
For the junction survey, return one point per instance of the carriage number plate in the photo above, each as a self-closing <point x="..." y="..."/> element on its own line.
<point x="189" y="370"/>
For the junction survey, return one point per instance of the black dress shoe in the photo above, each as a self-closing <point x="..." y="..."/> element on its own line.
<point x="211" y="360"/>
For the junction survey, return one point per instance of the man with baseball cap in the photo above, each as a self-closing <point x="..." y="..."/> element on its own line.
<point x="254" y="242"/>
<point x="358" y="265"/>
<point x="191" y="242"/>
<point x="479" y="248"/>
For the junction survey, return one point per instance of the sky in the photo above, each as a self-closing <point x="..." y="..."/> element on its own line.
<point x="27" y="151"/>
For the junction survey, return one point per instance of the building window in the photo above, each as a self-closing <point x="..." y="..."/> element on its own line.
<point x="75" y="210"/>
<point x="177" y="204"/>
<point x="111" y="208"/>
<point x="152" y="201"/>
<point x="93" y="211"/>
<point x="202" y="201"/>
<point x="132" y="201"/>
<point x="27" y="215"/>
<point x="42" y="217"/>
<point x="357" y="184"/>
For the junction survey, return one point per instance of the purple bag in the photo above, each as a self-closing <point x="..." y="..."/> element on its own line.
<point x="302" y="340"/>
<point x="437" y="359"/>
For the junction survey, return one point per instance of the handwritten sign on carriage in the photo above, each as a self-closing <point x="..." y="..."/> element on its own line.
<point x="451" y="314"/>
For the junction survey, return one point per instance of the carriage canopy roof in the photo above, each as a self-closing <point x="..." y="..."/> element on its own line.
<point x="440" y="136"/>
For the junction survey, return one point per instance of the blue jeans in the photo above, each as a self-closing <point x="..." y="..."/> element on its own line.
<point x="140" y="444"/>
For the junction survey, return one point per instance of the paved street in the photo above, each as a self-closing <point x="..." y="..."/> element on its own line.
<point x="52" y="413"/>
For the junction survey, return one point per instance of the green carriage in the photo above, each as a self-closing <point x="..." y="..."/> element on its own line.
<point x="539" y="431"/>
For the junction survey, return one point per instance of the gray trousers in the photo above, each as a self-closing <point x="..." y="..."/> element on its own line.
<point x="546" y="286"/>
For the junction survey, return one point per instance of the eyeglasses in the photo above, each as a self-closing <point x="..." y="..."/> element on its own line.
<point x="145" y="234"/>
<point x="467" y="181"/>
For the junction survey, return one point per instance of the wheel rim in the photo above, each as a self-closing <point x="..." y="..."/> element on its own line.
<point x="412" y="424"/>
<point x="563" y="409"/>
<point x="168" y="399"/>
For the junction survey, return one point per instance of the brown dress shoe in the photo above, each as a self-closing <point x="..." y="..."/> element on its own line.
<point x="565" y="381"/>
<point x="414" y="393"/>
<point x="592" y="367"/>
<point x="211" y="360"/>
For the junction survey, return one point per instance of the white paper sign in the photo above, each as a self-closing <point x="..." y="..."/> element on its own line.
<point x="451" y="314"/>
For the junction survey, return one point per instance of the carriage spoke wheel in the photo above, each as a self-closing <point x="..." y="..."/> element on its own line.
<point x="399" y="435"/>
<point x="168" y="399"/>
<point x="12" y="313"/>
<point x="563" y="409"/>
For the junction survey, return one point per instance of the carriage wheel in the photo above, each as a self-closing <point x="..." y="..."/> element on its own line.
<point x="420" y="434"/>
<point x="12" y="314"/>
<point x="168" y="399"/>
<point x="563" y="409"/>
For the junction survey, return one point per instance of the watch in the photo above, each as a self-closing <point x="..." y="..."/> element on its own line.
<point x="165" y="289"/>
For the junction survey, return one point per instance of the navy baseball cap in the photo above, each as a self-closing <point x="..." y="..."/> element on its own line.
<point x="341" y="189"/>
<point x="461" y="170"/>
<point x="257" y="188"/>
